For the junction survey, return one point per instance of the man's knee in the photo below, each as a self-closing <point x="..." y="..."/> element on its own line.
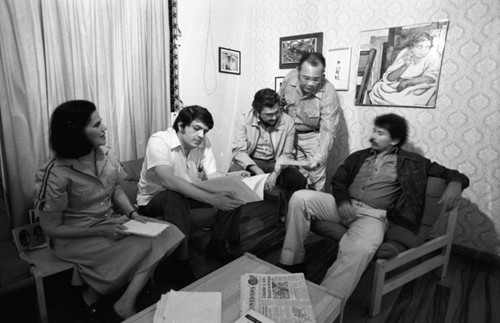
<point x="168" y="205"/>
<point x="360" y="248"/>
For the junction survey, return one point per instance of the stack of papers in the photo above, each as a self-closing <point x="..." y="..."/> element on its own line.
<point x="148" y="229"/>
<point x="187" y="307"/>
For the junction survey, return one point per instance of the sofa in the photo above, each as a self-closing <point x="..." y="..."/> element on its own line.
<point x="200" y="218"/>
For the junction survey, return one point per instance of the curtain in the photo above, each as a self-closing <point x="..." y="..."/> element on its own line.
<point x="114" y="53"/>
<point x="23" y="101"/>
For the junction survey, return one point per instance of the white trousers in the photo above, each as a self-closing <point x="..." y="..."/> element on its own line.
<point x="308" y="143"/>
<point x="356" y="248"/>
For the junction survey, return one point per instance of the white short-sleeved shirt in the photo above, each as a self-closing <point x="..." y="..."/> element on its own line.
<point x="164" y="149"/>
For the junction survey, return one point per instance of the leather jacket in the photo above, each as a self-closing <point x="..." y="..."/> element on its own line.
<point x="412" y="172"/>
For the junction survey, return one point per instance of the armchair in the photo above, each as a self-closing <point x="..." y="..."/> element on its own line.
<point x="425" y="253"/>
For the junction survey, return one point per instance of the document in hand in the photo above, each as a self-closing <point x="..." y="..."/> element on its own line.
<point x="148" y="229"/>
<point x="189" y="307"/>
<point x="249" y="189"/>
<point x="282" y="298"/>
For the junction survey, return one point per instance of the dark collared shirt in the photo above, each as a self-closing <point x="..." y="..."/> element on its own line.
<point x="376" y="183"/>
<point x="264" y="149"/>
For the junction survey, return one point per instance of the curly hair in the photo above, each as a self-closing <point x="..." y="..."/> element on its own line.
<point x="417" y="38"/>
<point x="191" y="113"/>
<point x="396" y="125"/>
<point x="265" y="98"/>
<point x="67" y="129"/>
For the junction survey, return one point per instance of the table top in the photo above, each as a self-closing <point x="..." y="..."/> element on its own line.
<point x="327" y="306"/>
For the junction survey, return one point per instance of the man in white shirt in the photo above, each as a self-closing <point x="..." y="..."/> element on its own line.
<point x="175" y="159"/>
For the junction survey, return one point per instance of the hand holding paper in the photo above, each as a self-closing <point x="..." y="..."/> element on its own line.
<point x="225" y="201"/>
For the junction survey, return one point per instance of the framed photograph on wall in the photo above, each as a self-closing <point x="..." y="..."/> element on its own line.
<point x="277" y="82"/>
<point x="401" y="66"/>
<point x="229" y="61"/>
<point x="338" y="67"/>
<point x="293" y="47"/>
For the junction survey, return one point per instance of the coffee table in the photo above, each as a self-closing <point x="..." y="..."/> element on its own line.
<point x="327" y="306"/>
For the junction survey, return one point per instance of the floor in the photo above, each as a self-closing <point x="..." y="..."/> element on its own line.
<point x="469" y="293"/>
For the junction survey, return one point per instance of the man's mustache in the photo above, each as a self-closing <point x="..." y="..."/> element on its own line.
<point x="373" y="142"/>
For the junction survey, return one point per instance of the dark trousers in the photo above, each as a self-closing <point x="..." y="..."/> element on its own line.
<point x="174" y="207"/>
<point x="290" y="179"/>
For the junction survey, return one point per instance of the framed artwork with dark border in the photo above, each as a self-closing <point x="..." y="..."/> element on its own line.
<point x="277" y="82"/>
<point x="293" y="47"/>
<point x="229" y="61"/>
<point x="401" y="66"/>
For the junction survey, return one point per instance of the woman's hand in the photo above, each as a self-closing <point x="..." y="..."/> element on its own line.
<point x="402" y="85"/>
<point x="139" y="218"/>
<point x="408" y="59"/>
<point x="114" y="231"/>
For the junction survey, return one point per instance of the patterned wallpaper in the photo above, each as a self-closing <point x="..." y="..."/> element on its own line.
<point x="462" y="132"/>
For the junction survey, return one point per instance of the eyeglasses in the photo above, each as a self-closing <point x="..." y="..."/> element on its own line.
<point x="276" y="114"/>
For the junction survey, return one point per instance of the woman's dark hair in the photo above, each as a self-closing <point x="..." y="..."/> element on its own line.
<point x="312" y="58"/>
<point x="67" y="129"/>
<point x="265" y="98"/>
<point x="417" y="38"/>
<point x="396" y="125"/>
<point x="191" y="113"/>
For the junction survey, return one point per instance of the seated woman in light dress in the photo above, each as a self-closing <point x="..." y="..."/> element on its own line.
<point x="413" y="77"/>
<point x="77" y="191"/>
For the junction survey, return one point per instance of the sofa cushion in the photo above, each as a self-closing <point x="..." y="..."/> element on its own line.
<point x="133" y="169"/>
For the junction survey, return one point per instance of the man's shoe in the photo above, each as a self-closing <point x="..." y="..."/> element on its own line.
<point x="185" y="272"/>
<point x="216" y="249"/>
<point x="294" y="269"/>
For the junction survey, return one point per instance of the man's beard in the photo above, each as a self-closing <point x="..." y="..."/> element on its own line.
<point x="267" y="124"/>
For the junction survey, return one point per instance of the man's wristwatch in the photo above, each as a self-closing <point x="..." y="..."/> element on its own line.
<point x="129" y="214"/>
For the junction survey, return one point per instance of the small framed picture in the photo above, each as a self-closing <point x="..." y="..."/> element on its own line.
<point x="277" y="82"/>
<point x="293" y="47"/>
<point x="28" y="237"/>
<point x="338" y="68"/>
<point x="229" y="61"/>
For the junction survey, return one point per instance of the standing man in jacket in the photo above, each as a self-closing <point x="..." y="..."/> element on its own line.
<point x="262" y="136"/>
<point x="374" y="186"/>
<point x="311" y="100"/>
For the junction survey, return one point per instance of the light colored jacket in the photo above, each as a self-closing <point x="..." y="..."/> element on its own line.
<point x="247" y="135"/>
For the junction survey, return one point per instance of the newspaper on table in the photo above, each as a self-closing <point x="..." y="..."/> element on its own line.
<point x="282" y="297"/>
<point x="180" y="307"/>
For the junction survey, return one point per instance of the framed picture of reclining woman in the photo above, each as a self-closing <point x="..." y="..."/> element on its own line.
<point x="401" y="66"/>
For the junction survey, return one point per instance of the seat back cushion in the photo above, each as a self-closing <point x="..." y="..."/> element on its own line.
<point x="434" y="191"/>
<point x="129" y="185"/>
<point x="133" y="169"/>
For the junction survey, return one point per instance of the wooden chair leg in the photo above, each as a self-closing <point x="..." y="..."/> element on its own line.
<point x="443" y="270"/>
<point x="377" y="287"/>
<point x="40" y="294"/>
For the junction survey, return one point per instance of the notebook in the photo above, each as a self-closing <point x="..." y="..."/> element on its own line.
<point x="148" y="229"/>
